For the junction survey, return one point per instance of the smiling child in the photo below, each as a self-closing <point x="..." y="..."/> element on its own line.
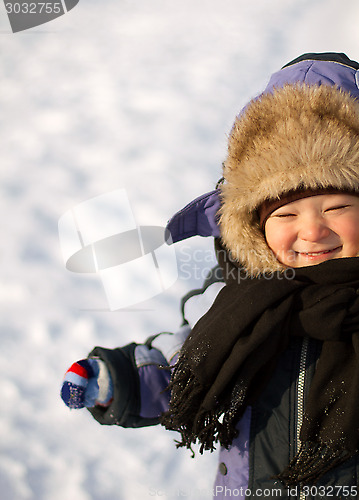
<point x="266" y="363"/>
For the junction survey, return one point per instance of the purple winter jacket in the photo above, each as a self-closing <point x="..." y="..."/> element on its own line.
<point x="269" y="431"/>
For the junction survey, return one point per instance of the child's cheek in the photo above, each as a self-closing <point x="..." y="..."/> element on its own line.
<point x="348" y="231"/>
<point x="353" y="239"/>
<point x="281" y="247"/>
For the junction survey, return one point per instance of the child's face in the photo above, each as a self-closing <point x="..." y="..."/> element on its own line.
<point x="311" y="230"/>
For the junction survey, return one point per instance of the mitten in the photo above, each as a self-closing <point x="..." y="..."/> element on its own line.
<point x="87" y="383"/>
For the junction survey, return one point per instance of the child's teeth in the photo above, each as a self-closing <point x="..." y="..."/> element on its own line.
<point x="318" y="253"/>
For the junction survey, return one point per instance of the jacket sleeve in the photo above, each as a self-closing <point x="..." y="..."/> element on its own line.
<point x="140" y="375"/>
<point x="141" y="372"/>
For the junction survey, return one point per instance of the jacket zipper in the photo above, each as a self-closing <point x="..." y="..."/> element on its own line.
<point x="300" y="397"/>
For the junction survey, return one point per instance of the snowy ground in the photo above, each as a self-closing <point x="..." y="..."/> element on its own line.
<point x="117" y="94"/>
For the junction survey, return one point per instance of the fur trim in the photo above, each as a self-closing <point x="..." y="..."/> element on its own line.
<point x="299" y="136"/>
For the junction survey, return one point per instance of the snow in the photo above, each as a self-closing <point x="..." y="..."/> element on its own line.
<point x="116" y="94"/>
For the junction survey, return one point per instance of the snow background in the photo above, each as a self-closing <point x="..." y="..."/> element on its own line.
<point x="118" y="94"/>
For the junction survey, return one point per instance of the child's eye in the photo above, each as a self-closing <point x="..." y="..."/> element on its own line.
<point x="338" y="207"/>
<point x="281" y="216"/>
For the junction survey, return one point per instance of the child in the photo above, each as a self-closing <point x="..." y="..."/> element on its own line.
<point x="267" y="361"/>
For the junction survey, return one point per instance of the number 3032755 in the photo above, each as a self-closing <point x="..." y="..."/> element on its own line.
<point x="34" y="8"/>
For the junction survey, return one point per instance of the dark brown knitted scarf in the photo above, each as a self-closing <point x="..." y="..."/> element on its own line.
<point x="233" y="349"/>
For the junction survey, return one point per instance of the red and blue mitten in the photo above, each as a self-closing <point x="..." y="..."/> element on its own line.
<point x="87" y="383"/>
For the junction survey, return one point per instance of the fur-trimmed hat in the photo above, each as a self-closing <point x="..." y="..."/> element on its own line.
<point x="297" y="137"/>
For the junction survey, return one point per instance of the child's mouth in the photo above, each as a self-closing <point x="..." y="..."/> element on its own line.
<point x="321" y="253"/>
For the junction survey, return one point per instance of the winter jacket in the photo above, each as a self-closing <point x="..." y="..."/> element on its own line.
<point x="268" y="435"/>
<point x="268" y="431"/>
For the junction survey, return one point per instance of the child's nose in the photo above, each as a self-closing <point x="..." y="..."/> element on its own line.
<point x="314" y="229"/>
